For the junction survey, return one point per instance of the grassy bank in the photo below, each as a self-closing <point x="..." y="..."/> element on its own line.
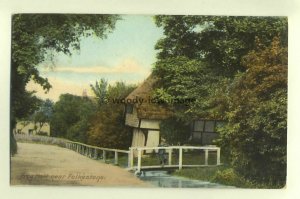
<point x="222" y="175"/>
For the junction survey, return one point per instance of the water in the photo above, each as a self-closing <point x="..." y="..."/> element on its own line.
<point x="163" y="179"/>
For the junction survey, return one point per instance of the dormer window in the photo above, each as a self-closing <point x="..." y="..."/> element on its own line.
<point x="129" y="108"/>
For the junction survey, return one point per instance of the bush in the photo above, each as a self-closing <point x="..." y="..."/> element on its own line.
<point x="229" y="177"/>
<point x="256" y="132"/>
<point x="108" y="129"/>
<point x="174" y="132"/>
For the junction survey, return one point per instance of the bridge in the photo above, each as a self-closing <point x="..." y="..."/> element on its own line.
<point x="169" y="151"/>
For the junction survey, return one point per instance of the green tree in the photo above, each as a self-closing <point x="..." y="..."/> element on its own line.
<point x="237" y="72"/>
<point x="42" y="115"/>
<point x="100" y="90"/>
<point x="188" y="81"/>
<point x="221" y="41"/>
<point x="23" y="109"/>
<point x="71" y="116"/>
<point x="256" y="133"/>
<point x="200" y="55"/>
<point x="33" y="37"/>
<point x="174" y="131"/>
<point x="107" y="125"/>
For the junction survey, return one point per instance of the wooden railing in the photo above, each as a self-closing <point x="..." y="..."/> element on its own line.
<point x="169" y="150"/>
<point x="95" y="152"/>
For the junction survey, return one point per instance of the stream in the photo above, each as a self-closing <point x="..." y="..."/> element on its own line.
<point x="164" y="179"/>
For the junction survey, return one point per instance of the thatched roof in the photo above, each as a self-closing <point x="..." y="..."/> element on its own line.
<point x="144" y="90"/>
<point x="148" y="110"/>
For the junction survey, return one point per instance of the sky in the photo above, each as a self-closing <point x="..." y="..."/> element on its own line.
<point x="127" y="54"/>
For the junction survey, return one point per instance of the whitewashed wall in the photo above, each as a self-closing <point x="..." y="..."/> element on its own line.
<point x="152" y="140"/>
<point x="150" y="124"/>
<point x="138" y="138"/>
<point x="25" y="127"/>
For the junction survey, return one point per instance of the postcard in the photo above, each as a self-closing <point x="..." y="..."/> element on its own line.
<point x="185" y="101"/>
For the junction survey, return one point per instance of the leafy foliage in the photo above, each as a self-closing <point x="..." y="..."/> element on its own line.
<point x="33" y="37"/>
<point x="86" y="120"/>
<point x="107" y="126"/>
<point x="189" y="81"/>
<point x="70" y="117"/>
<point x="236" y="69"/>
<point x="174" y="132"/>
<point x="100" y="90"/>
<point x="256" y="133"/>
<point x="220" y="41"/>
<point x="42" y="115"/>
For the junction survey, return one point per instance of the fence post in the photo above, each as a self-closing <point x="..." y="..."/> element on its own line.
<point x="170" y="157"/>
<point x="180" y="158"/>
<point x="89" y="152"/>
<point x="139" y="160"/>
<point x="130" y="158"/>
<point x="86" y="151"/>
<point x="116" y="157"/>
<point x="104" y="155"/>
<point x="206" y="156"/>
<point x="95" y="154"/>
<point x="218" y="156"/>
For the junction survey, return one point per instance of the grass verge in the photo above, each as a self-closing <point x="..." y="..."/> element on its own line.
<point x="223" y="175"/>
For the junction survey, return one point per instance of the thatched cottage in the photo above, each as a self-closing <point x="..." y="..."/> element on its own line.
<point x="145" y="116"/>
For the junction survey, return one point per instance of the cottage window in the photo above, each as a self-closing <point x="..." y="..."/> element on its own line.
<point x="204" y="131"/>
<point x="209" y="126"/>
<point x="129" y="108"/>
<point x="199" y="125"/>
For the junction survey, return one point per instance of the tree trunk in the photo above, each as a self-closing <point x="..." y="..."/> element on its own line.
<point x="13" y="142"/>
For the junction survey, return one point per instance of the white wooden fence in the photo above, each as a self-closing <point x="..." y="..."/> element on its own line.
<point x="94" y="151"/>
<point x="169" y="150"/>
<point x="84" y="149"/>
<point x="100" y="152"/>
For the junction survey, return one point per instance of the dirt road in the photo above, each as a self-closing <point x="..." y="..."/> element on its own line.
<point x="38" y="164"/>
